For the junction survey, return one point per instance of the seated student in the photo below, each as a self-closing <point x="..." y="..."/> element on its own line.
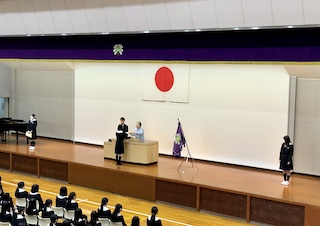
<point x="153" y="220"/>
<point x="71" y="203"/>
<point x="94" y="219"/>
<point x="5" y="215"/>
<point x="47" y="211"/>
<point x="135" y="221"/>
<point x="1" y="192"/>
<point x="18" y="217"/>
<point x="32" y="207"/>
<point x="116" y="216"/>
<point x="79" y="219"/>
<point x="54" y="220"/>
<point x="35" y="195"/>
<point x="7" y="198"/>
<point x="62" y="197"/>
<point x="20" y="192"/>
<point x="103" y="211"/>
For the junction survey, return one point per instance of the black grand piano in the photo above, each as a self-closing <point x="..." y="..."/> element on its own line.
<point x="8" y="124"/>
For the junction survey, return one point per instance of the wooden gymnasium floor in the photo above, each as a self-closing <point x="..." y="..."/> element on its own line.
<point x="258" y="190"/>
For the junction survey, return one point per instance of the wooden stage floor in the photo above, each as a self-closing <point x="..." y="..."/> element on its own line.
<point x="251" y="194"/>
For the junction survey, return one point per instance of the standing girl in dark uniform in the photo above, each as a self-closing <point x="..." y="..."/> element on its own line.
<point x="121" y="134"/>
<point x="285" y="159"/>
<point x="32" y="126"/>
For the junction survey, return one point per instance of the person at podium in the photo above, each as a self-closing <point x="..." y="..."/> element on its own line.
<point x="121" y="133"/>
<point x="138" y="132"/>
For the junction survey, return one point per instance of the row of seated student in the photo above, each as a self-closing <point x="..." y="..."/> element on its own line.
<point x="67" y="202"/>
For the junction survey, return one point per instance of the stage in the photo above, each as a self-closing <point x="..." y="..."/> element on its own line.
<point x="254" y="195"/>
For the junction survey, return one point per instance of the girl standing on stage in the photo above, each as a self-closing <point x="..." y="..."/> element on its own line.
<point x="285" y="159"/>
<point x="32" y="126"/>
<point x="121" y="134"/>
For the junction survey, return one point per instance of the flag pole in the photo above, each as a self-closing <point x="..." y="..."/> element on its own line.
<point x="188" y="155"/>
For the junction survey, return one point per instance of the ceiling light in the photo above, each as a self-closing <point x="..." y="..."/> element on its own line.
<point x="255" y="28"/>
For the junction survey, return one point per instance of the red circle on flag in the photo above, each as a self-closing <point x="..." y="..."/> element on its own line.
<point x="164" y="79"/>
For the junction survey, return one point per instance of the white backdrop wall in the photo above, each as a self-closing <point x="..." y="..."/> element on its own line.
<point x="5" y="80"/>
<point x="236" y="113"/>
<point x="47" y="94"/>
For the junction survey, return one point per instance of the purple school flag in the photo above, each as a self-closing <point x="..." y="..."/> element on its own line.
<point x="179" y="141"/>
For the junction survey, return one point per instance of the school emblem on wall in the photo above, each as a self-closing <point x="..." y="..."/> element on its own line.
<point x="118" y="49"/>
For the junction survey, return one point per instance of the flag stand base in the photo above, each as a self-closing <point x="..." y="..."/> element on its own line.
<point x="187" y="162"/>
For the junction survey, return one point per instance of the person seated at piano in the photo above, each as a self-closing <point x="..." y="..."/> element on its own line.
<point x="138" y="132"/>
<point x="32" y="127"/>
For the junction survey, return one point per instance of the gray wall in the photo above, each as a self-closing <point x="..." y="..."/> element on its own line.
<point x="5" y="80"/>
<point x="47" y="94"/>
<point x="307" y="127"/>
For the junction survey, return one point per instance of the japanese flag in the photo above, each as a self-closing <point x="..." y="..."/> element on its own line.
<point x="165" y="82"/>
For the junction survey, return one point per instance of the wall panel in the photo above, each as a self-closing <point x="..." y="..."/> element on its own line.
<point x="5" y="161"/>
<point x="172" y="192"/>
<point x="276" y="213"/>
<point x="223" y="202"/>
<point x="25" y="164"/>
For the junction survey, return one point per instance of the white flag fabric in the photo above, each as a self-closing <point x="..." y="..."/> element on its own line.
<point x="169" y="82"/>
